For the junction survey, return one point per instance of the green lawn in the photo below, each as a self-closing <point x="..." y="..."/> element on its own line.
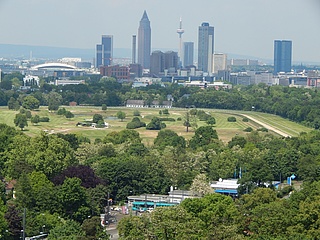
<point x="226" y="130"/>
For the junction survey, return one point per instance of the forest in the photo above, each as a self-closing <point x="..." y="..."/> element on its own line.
<point x="63" y="180"/>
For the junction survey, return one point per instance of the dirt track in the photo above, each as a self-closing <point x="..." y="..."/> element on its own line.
<point x="267" y="126"/>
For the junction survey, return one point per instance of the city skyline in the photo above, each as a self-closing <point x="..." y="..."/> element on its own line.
<point x="245" y="27"/>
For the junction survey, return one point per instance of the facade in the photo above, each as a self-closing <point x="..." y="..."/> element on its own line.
<point x="171" y="61"/>
<point x="219" y="62"/>
<point x="188" y="48"/>
<point x="164" y="62"/>
<point x="205" y="47"/>
<point x="116" y="71"/>
<point x="135" y="70"/>
<point x="144" y="41"/>
<point x="282" y="56"/>
<point x="104" y="51"/>
<point x="157" y="63"/>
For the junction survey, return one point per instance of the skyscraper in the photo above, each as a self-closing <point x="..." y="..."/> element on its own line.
<point x="282" y="56"/>
<point x="104" y="51"/>
<point x="188" y="53"/>
<point x="205" y="47"/>
<point x="144" y="41"/>
<point x="134" y="48"/>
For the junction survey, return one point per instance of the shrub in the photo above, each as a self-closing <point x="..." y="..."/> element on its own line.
<point x="263" y="129"/>
<point x="69" y="114"/>
<point x="136" y="113"/>
<point x="104" y="107"/>
<point x="202" y="115"/>
<point x="248" y="129"/>
<point x="44" y="119"/>
<point x="135" y="123"/>
<point x="232" y="119"/>
<point x="179" y="119"/>
<point x="245" y="119"/>
<point x="61" y="111"/>
<point x="167" y="119"/>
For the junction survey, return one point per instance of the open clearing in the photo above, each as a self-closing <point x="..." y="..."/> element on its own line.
<point x="226" y="130"/>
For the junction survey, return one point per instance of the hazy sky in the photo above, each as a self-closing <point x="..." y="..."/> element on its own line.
<point x="245" y="27"/>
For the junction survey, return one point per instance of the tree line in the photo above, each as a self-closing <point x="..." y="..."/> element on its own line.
<point x="296" y="104"/>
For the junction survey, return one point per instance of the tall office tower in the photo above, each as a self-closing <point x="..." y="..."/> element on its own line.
<point x="104" y="51"/>
<point x="219" y="62"/>
<point x="180" y="31"/>
<point x="144" y="41"/>
<point x="188" y="54"/>
<point x="134" y="47"/>
<point x="157" y="62"/>
<point x="282" y="56"/>
<point x="205" y="47"/>
<point x="171" y="61"/>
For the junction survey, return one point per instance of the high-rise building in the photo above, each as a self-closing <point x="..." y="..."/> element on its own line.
<point x="205" y="47"/>
<point x="157" y="63"/>
<point x="104" y="51"/>
<point x="188" y="53"/>
<point x="282" y="56"/>
<point x="171" y="61"/>
<point x="144" y="41"/>
<point x="164" y="61"/>
<point x="219" y="62"/>
<point x="134" y="47"/>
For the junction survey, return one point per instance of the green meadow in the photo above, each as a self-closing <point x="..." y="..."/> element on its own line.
<point x="226" y="130"/>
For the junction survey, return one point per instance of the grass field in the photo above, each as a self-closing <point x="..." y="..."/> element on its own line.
<point x="226" y="130"/>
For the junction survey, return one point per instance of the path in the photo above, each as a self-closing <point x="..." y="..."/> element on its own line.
<point x="267" y="126"/>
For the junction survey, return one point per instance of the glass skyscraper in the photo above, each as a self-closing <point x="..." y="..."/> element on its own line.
<point x="144" y="41"/>
<point x="282" y="56"/>
<point x="188" y="54"/>
<point x="205" y="47"/>
<point x="104" y="51"/>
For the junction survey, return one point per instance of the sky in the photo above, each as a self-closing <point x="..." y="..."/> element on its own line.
<point x="242" y="27"/>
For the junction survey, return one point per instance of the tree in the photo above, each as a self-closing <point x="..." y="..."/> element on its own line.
<point x="200" y="185"/>
<point x="73" y="200"/>
<point x="155" y="124"/>
<point x="97" y="118"/>
<point x="211" y="121"/>
<point x="93" y="229"/>
<point x="136" y="113"/>
<point x="84" y="173"/>
<point x="189" y="120"/>
<point x="121" y="115"/>
<point x="35" y="119"/>
<point x="203" y="136"/>
<point x="165" y="111"/>
<point x="68" y="230"/>
<point x="104" y="107"/>
<point x="169" y="138"/>
<point x="30" y="102"/>
<point x="54" y="100"/>
<point x="13" y="104"/>
<point x="20" y="121"/>
<point x="232" y="119"/>
<point x="69" y="114"/>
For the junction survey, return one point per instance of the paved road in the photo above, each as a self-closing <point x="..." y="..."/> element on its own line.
<point x="267" y="126"/>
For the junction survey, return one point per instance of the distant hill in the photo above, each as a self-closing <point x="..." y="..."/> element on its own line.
<point x="25" y="51"/>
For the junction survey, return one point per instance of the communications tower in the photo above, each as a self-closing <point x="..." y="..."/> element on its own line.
<point x="180" y="31"/>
